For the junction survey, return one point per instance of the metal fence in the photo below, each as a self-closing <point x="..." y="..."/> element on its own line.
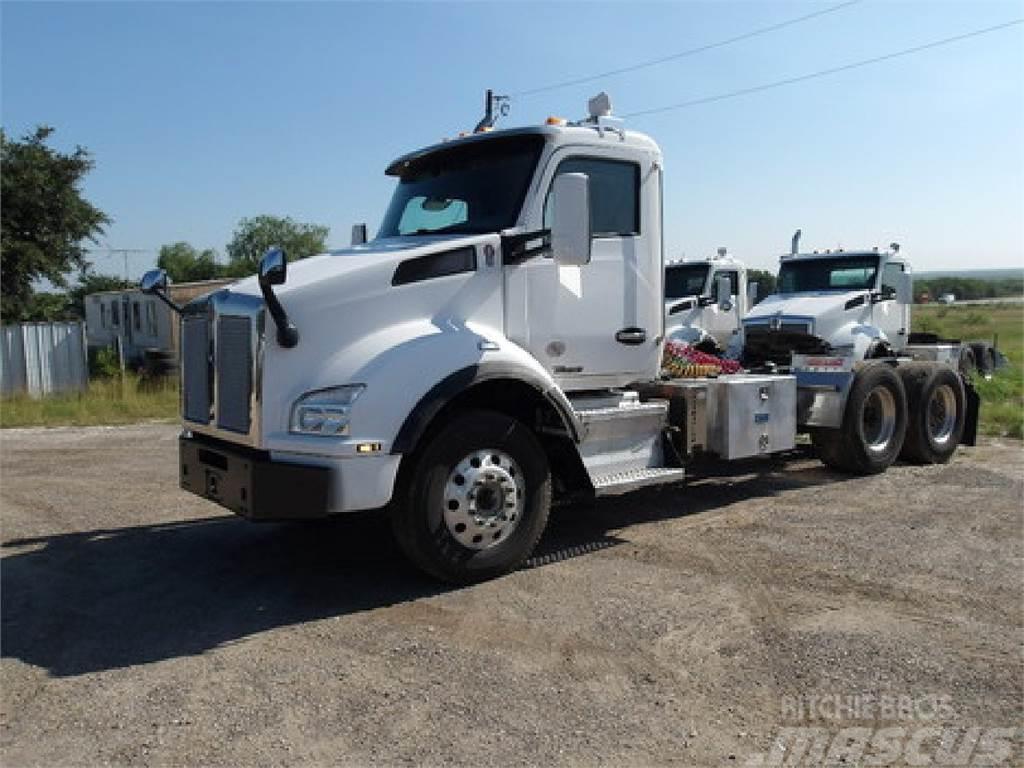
<point x="43" y="358"/>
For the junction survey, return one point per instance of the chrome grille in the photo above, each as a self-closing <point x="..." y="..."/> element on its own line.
<point x="234" y="372"/>
<point x="195" y="376"/>
<point x="222" y="338"/>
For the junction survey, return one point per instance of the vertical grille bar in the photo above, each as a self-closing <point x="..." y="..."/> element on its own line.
<point x="234" y="373"/>
<point x="195" y="348"/>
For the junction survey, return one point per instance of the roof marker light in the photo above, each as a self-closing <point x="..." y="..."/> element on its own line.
<point x="556" y="121"/>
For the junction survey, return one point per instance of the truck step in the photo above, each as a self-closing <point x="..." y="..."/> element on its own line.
<point x="623" y="482"/>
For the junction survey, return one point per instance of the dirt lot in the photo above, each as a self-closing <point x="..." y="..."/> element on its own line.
<point x="688" y="625"/>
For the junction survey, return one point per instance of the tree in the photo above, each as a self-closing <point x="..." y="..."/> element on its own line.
<point x="765" y="282"/>
<point x="44" y="219"/>
<point x="184" y="263"/>
<point x="254" y="236"/>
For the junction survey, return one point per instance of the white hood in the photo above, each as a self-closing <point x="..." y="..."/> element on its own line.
<point x="813" y="305"/>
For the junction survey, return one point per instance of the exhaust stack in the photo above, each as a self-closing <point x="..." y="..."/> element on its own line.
<point x="794" y="247"/>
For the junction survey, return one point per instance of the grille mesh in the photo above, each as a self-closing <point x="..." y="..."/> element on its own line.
<point x="195" y="346"/>
<point x="234" y="372"/>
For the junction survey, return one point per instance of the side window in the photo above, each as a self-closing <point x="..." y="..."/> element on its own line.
<point x="734" y="281"/>
<point x="151" y="328"/>
<point x="891" y="278"/>
<point x="115" y="315"/>
<point x="103" y="315"/>
<point x="136" y="316"/>
<point x="614" y="195"/>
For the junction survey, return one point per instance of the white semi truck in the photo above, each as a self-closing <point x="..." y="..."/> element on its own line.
<point x="498" y="345"/>
<point x="856" y="303"/>
<point x="695" y="312"/>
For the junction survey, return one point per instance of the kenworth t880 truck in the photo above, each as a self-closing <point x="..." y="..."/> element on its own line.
<point x="498" y="345"/>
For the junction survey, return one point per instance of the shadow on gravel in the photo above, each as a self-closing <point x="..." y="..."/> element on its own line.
<point x="105" y="599"/>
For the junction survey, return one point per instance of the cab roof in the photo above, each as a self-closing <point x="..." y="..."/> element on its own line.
<point x="562" y="134"/>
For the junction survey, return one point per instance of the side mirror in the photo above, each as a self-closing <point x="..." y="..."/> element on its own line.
<point x="570" y="219"/>
<point x="154" y="280"/>
<point x="752" y="288"/>
<point x="358" y="234"/>
<point x="905" y="289"/>
<point x="723" y="292"/>
<point x="273" y="267"/>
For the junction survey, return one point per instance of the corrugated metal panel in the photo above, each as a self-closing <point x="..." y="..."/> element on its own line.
<point x="43" y="358"/>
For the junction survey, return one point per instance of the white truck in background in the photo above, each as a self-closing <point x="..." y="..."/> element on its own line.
<point x="697" y="311"/>
<point x="498" y="345"/>
<point x="855" y="303"/>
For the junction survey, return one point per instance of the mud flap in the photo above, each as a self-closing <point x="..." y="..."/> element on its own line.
<point x="972" y="406"/>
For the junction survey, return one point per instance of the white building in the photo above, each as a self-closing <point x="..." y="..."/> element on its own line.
<point x="141" y="322"/>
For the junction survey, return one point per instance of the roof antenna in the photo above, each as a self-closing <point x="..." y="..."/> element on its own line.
<point x="794" y="247"/>
<point x="491" y="114"/>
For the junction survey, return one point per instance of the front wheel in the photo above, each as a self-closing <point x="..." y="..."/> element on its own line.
<point x="475" y="499"/>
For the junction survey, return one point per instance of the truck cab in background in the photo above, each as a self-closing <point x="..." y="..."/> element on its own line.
<point x="697" y="311"/>
<point x="853" y="303"/>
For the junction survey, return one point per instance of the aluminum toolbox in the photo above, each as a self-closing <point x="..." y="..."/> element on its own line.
<point x="751" y="415"/>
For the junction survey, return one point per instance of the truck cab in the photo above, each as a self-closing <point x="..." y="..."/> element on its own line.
<point x="853" y="303"/>
<point x="696" y="312"/>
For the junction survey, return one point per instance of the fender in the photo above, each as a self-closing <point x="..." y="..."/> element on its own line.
<point x="451" y="386"/>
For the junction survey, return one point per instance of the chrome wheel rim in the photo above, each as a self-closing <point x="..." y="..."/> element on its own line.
<point x="484" y="499"/>
<point x="941" y="414"/>
<point x="878" y="419"/>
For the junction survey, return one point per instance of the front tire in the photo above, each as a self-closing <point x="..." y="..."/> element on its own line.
<point x="874" y="424"/>
<point x="475" y="499"/>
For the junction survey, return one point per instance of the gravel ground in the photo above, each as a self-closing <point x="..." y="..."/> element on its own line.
<point x="689" y="625"/>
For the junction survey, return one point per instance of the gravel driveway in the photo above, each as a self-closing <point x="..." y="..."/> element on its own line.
<point x="701" y="624"/>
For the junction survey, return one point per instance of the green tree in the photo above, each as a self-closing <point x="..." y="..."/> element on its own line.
<point x="254" y="236"/>
<point x="765" y="282"/>
<point x="44" y="219"/>
<point x="184" y="263"/>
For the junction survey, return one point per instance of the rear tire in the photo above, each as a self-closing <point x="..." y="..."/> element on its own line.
<point x="874" y="424"/>
<point x="935" y="408"/>
<point x="475" y="499"/>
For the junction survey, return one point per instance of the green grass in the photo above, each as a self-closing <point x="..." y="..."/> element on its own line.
<point x="108" y="401"/>
<point x="1002" y="396"/>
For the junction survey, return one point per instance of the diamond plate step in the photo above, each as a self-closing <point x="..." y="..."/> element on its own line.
<point x="623" y="482"/>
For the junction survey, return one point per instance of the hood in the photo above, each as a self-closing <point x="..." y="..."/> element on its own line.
<point x="811" y="305"/>
<point x="375" y="260"/>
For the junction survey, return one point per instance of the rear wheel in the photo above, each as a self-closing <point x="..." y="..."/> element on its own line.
<point x="935" y="405"/>
<point x="475" y="500"/>
<point x="873" y="426"/>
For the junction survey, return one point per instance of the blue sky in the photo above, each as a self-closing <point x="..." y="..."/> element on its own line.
<point x="199" y="114"/>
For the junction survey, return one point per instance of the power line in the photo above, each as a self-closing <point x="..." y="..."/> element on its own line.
<point x="824" y="72"/>
<point x="690" y="52"/>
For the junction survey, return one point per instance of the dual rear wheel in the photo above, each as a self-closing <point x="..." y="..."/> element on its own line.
<point x="914" y="411"/>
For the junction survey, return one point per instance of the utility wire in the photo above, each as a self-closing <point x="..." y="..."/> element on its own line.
<point x="824" y="72"/>
<point x="690" y="52"/>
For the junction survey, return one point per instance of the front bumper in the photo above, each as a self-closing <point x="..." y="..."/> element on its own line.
<point x="249" y="483"/>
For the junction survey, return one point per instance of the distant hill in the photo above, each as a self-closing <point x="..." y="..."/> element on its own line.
<point x="975" y="274"/>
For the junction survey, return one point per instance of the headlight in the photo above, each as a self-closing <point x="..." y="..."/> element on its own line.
<point x="324" y="411"/>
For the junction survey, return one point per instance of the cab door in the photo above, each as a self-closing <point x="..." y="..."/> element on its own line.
<point x="888" y="313"/>
<point x="600" y="324"/>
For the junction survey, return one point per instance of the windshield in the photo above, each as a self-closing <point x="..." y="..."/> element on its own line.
<point x="685" y="280"/>
<point x="840" y="274"/>
<point x="471" y="189"/>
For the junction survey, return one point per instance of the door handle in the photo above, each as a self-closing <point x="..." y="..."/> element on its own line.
<point x="631" y="336"/>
